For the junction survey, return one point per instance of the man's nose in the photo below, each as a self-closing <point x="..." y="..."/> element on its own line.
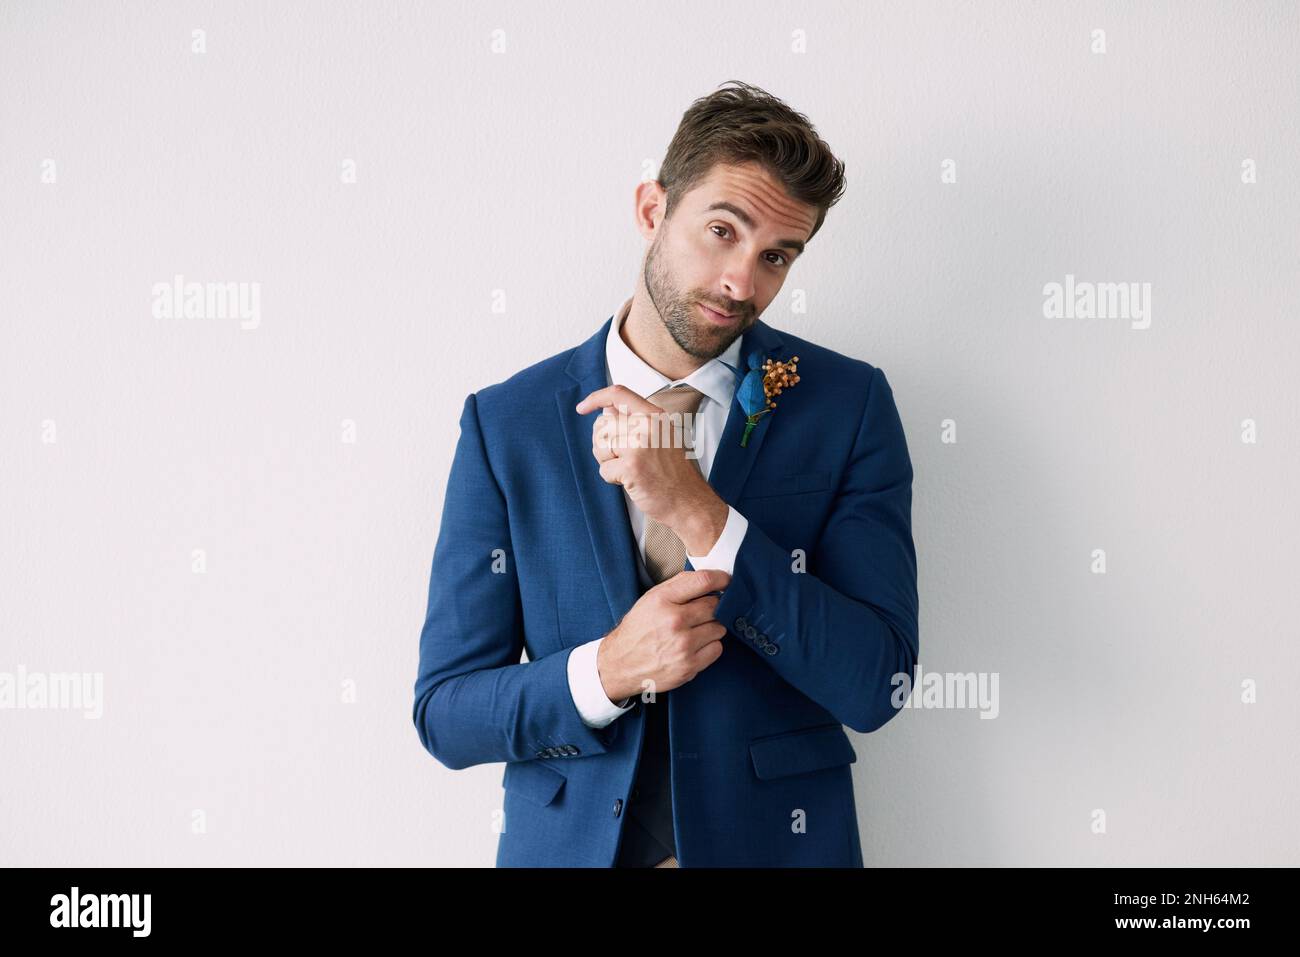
<point x="738" y="280"/>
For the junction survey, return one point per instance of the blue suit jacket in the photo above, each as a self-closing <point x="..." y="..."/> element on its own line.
<point x="535" y="552"/>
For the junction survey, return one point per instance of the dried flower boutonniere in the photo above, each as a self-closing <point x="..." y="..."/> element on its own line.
<point x="761" y="385"/>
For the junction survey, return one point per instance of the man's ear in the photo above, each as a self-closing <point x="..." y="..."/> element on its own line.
<point x="649" y="208"/>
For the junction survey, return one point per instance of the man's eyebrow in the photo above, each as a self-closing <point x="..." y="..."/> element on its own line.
<point x="744" y="217"/>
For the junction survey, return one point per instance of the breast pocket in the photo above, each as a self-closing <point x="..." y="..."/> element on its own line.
<point x="770" y="486"/>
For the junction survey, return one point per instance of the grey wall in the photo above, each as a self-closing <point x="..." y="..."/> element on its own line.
<point x="188" y="514"/>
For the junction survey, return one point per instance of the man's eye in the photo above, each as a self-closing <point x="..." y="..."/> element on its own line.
<point x="782" y="261"/>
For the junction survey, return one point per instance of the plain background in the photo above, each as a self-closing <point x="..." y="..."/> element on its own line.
<point x="489" y="177"/>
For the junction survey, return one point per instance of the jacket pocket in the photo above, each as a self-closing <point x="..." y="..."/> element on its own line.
<point x="533" y="779"/>
<point x="768" y="485"/>
<point x="798" y="752"/>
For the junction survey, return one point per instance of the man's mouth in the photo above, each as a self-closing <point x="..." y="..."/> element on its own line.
<point x="721" y="318"/>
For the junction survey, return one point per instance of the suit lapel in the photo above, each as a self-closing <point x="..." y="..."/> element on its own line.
<point x="603" y="505"/>
<point x="732" y="462"/>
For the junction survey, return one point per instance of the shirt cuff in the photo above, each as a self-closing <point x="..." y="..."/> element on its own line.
<point x="594" y="706"/>
<point x="723" y="553"/>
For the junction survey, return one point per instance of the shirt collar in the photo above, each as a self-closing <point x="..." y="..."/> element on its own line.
<point x="714" y="379"/>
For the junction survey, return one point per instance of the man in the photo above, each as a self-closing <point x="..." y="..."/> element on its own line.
<point x="701" y="615"/>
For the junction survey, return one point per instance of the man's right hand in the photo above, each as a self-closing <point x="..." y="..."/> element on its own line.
<point x="668" y="637"/>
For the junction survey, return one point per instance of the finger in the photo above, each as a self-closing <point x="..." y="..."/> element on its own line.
<point x="602" y="434"/>
<point x="606" y="443"/>
<point x="618" y="432"/>
<point x="636" y="431"/>
<point x="685" y="585"/>
<point x="615" y="395"/>
<point x="699" y="611"/>
<point x="706" y="644"/>
<point x="611" y="471"/>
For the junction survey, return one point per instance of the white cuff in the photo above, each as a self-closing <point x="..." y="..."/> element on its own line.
<point x="594" y="706"/>
<point x="723" y="553"/>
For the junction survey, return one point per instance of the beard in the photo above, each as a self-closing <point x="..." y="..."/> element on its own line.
<point x="694" y="334"/>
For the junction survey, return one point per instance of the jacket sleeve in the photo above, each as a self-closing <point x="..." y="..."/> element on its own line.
<point x="475" y="702"/>
<point x="842" y="634"/>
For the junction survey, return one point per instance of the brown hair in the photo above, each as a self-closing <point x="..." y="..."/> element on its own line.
<point x="739" y="124"/>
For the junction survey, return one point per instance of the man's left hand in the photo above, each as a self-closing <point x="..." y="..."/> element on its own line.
<point x="659" y="479"/>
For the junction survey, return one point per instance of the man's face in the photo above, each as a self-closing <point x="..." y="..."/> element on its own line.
<point x="728" y="246"/>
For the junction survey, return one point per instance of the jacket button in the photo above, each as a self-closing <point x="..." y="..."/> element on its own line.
<point x="618" y="806"/>
<point x="571" y="749"/>
<point x="740" y="624"/>
<point x="772" y="648"/>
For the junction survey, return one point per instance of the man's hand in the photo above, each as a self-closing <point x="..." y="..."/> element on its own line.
<point x="660" y="480"/>
<point x="667" y="638"/>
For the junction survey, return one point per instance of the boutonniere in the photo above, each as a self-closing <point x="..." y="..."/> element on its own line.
<point x="765" y="380"/>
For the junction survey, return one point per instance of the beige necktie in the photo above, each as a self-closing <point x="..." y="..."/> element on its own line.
<point x="665" y="555"/>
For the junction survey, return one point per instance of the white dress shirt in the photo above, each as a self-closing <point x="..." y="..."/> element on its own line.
<point x="717" y="383"/>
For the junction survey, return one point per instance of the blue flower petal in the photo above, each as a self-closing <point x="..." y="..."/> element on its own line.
<point x="751" y="394"/>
